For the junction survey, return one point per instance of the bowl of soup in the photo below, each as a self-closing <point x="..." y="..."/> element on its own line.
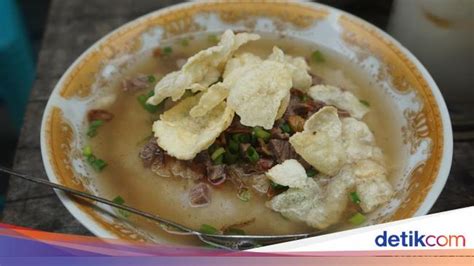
<point x="262" y="118"/>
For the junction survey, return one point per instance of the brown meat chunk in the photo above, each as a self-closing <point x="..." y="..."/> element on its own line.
<point x="316" y="80"/>
<point x="99" y="114"/>
<point x="150" y="152"/>
<point x="216" y="174"/>
<point x="137" y="83"/>
<point x="199" y="195"/>
<point x="282" y="150"/>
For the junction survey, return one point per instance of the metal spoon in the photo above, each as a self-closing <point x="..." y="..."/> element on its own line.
<point x="230" y="242"/>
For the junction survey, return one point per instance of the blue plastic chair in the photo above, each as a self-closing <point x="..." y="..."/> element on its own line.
<point x="17" y="67"/>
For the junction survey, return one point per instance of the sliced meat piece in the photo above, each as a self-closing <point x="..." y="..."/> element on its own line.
<point x="243" y="149"/>
<point x="263" y="148"/>
<point x="137" y="83"/>
<point x="264" y="164"/>
<point x="186" y="169"/>
<point x="237" y="127"/>
<point x="316" y="80"/>
<point x="277" y="132"/>
<point x="302" y="109"/>
<point x="260" y="183"/>
<point x="203" y="158"/>
<point x="235" y="175"/>
<point x="99" y="114"/>
<point x="282" y="150"/>
<point x="161" y="165"/>
<point x="199" y="195"/>
<point x="216" y="174"/>
<point x="150" y="152"/>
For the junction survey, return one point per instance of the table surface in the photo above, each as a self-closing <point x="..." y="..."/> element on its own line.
<point x="71" y="28"/>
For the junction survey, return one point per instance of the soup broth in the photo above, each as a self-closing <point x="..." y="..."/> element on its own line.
<point x="119" y="141"/>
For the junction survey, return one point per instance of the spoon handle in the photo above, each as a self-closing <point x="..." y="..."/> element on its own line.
<point x="98" y="199"/>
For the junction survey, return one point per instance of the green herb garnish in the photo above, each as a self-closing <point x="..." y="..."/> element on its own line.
<point x="142" y="100"/>
<point x="167" y="50"/>
<point x="277" y="186"/>
<point x="354" y="197"/>
<point x="218" y="152"/>
<point x="244" y="195"/>
<point x="233" y="146"/>
<point x="87" y="151"/>
<point x="93" y="126"/>
<point x="261" y="133"/>
<point x="357" y="219"/>
<point x="119" y="200"/>
<point x="317" y="56"/>
<point x="364" y="102"/>
<point x="241" y="138"/>
<point x="230" y="158"/>
<point x="151" y="79"/>
<point x="208" y="229"/>
<point x="285" y="127"/>
<point x="96" y="163"/>
<point x="311" y="172"/>
<point x="252" y="154"/>
<point x="219" y="160"/>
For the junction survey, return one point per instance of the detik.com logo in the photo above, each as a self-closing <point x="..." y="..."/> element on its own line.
<point x="415" y="239"/>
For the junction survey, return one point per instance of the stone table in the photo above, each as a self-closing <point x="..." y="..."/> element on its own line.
<point x="72" y="27"/>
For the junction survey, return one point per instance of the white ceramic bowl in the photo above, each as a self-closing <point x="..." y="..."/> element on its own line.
<point x="421" y="118"/>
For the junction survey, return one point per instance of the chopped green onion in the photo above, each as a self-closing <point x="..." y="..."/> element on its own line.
<point x="98" y="164"/>
<point x="304" y="98"/>
<point x="94" y="162"/>
<point x="220" y="151"/>
<point x="244" y="195"/>
<point x="234" y="231"/>
<point x="317" y="56"/>
<point x="252" y="154"/>
<point x="233" y="146"/>
<point x="261" y="133"/>
<point x="253" y="139"/>
<point x="354" y="197"/>
<point x="357" y="219"/>
<point x="142" y="100"/>
<point x="285" y="127"/>
<point x="311" y="172"/>
<point x="241" y="138"/>
<point x="208" y="229"/>
<point x="151" y="79"/>
<point x="364" y="102"/>
<point x="212" y="148"/>
<point x="236" y="137"/>
<point x="213" y="38"/>
<point x="184" y="42"/>
<point x="87" y="151"/>
<point x="230" y="157"/>
<point x="91" y="159"/>
<point x="119" y="200"/>
<point x="94" y="125"/>
<point x="277" y="186"/>
<point x="167" y="50"/>
<point x="219" y="160"/>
